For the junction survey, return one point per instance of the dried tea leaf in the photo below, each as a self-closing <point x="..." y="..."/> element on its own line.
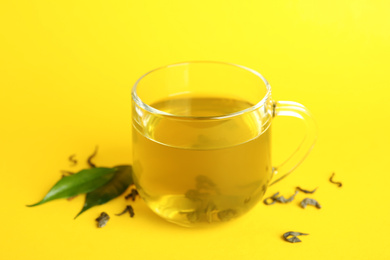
<point x="271" y="200"/>
<point x="292" y="237"/>
<point x="307" y="191"/>
<point x="121" y="180"/>
<point x="335" y="182"/>
<point x="129" y="209"/>
<point x="102" y="219"/>
<point x="281" y="199"/>
<point x="309" y="201"/>
<point x="132" y="195"/>
<point x="89" y="161"/>
<point x="81" y="182"/>
<point x="72" y="160"/>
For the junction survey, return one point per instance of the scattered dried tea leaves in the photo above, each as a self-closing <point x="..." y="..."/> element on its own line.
<point x="72" y="160"/>
<point x="309" y="201"/>
<point x="89" y="161"/>
<point x="306" y="191"/>
<point x="116" y="186"/>
<point x="129" y="209"/>
<point x="335" y="182"/>
<point x="132" y="195"/>
<point x="82" y="182"/>
<point x="281" y="199"/>
<point x="102" y="219"/>
<point x="292" y="236"/>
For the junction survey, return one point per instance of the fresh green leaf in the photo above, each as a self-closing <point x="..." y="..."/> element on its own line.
<point x="112" y="189"/>
<point x="81" y="182"/>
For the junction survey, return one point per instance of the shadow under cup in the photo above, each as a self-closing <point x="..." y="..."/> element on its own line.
<point x="202" y="141"/>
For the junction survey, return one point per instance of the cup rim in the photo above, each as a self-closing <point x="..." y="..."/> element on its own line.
<point x="153" y="110"/>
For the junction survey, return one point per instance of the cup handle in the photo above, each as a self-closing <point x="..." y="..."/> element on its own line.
<point x="289" y="108"/>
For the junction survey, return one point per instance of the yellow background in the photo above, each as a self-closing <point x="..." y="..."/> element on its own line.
<point x="66" y="71"/>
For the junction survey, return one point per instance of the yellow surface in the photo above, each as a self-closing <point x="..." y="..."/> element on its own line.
<point x="66" y="70"/>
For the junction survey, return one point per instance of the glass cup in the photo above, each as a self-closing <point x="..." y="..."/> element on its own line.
<point x="202" y="140"/>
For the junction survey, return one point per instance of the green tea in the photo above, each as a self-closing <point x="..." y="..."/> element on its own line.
<point x="204" y="167"/>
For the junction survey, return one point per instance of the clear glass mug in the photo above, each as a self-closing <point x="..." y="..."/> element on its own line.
<point x="202" y="140"/>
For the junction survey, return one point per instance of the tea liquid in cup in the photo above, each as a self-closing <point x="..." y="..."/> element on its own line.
<point x="202" y="141"/>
